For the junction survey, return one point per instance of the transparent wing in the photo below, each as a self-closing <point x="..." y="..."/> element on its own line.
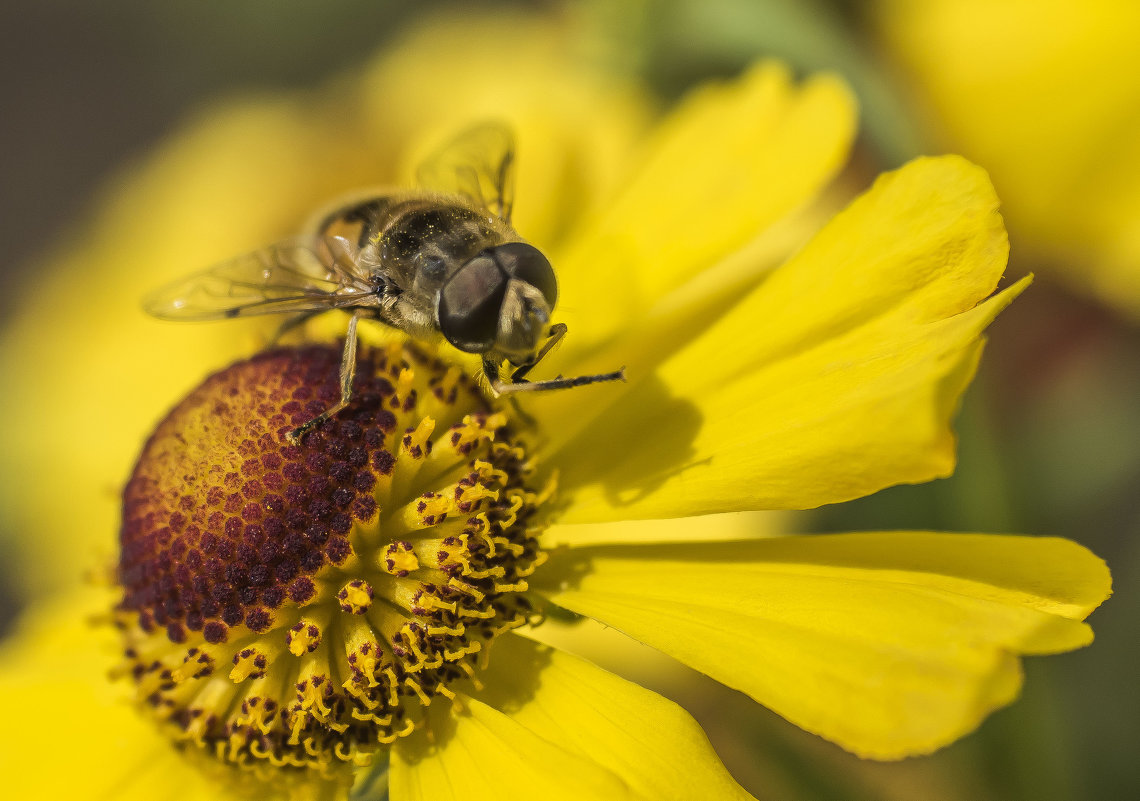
<point x="299" y="275"/>
<point x="479" y="163"/>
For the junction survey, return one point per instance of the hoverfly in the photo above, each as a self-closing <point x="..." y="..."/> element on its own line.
<point x="438" y="261"/>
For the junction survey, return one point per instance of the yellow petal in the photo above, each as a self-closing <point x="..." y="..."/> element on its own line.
<point x="728" y="526"/>
<point x="889" y="644"/>
<point x="70" y="733"/>
<point x="731" y="161"/>
<point x="651" y="743"/>
<point x="482" y="754"/>
<point x="837" y="377"/>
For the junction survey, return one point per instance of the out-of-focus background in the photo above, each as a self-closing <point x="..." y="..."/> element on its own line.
<point x="1044" y="94"/>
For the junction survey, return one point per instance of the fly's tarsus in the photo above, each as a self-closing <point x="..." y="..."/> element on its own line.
<point x="347" y="371"/>
<point x="297" y="435"/>
<point x="504" y="388"/>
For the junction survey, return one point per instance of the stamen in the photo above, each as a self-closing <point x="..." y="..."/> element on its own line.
<point x="303" y="638"/>
<point x="355" y="597"/>
<point x="399" y="559"/>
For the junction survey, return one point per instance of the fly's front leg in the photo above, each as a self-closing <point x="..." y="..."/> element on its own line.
<point x="347" y="370"/>
<point x="519" y="384"/>
<point x="503" y="388"/>
<point x="557" y="331"/>
<point x="491" y="371"/>
<point x="491" y="367"/>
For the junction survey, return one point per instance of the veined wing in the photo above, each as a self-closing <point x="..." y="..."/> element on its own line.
<point x="301" y="275"/>
<point x="479" y="163"/>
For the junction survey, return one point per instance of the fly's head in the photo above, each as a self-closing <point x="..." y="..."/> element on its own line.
<point x="499" y="302"/>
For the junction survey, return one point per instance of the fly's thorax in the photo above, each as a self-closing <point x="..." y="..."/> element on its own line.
<point x="424" y="239"/>
<point x="355" y="217"/>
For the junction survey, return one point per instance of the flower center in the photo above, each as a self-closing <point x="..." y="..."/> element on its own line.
<point x="302" y="605"/>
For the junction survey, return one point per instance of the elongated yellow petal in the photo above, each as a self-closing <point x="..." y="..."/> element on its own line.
<point x="835" y="378"/>
<point x="69" y="733"/>
<point x="485" y="755"/>
<point x="728" y="163"/>
<point x="728" y="526"/>
<point x="101" y="751"/>
<point x="889" y="644"/>
<point x="650" y="742"/>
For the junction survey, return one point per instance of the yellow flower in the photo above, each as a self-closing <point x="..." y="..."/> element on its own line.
<point x="763" y="375"/>
<point x="1044" y="95"/>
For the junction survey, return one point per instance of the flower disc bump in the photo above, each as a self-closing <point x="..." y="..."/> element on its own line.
<point x="301" y="605"/>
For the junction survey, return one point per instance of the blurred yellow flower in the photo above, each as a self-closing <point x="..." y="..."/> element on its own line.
<point x="1046" y="96"/>
<point x="760" y="378"/>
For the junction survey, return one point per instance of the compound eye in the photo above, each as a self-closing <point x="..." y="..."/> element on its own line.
<point x="526" y="263"/>
<point x="470" y="303"/>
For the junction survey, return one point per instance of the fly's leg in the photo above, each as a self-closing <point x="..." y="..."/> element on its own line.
<point x="557" y="331"/>
<point x="347" y="369"/>
<point x="503" y="388"/>
<point x="491" y="371"/>
<point x="518" y="382"/>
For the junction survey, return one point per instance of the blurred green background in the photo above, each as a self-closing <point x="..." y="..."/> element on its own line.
<point x="1050" y="432"/>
